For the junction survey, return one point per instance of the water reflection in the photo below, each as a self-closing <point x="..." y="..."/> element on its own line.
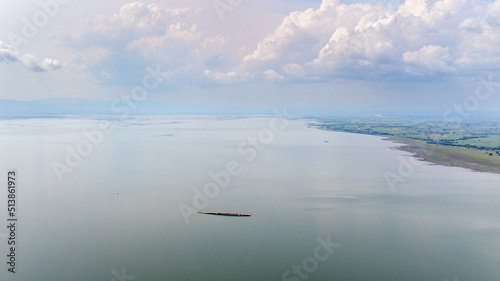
<point x="119" y="208"/>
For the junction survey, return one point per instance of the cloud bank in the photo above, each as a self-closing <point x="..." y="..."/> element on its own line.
<point x="364" y="41"/>
<point x="117" y="48"/>
<point x="418" y="38"/>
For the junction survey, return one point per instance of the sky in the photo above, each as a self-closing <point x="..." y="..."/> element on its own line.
<point x="405" y="55"/>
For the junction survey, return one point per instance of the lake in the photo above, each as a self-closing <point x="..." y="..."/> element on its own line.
<point x="106" y="199"/>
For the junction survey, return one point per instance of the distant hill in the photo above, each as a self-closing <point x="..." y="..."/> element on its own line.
<point x="64" y="107"/>
<point x="59" y="107"/>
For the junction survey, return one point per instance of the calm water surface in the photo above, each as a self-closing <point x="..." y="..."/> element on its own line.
<point x="116" y="213"/>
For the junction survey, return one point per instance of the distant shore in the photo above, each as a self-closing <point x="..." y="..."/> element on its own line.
<point x="473" y="159"/>
<point x="453" y="156"/>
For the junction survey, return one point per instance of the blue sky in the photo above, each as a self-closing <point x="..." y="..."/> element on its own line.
<point x="412" y="54"/>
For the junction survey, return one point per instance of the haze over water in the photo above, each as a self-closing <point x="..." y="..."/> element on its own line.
<point x="118" y="210"/>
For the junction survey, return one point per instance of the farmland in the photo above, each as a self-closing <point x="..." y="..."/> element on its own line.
<point x="472" y="143"/>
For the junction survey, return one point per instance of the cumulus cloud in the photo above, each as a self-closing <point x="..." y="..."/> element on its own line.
<point x="133" y="20"/>
<point x="29" y="61"/>
<point x="140" y="35"/>
<point x="429" y="60"/>
<point x="352" y="41"/>
<point x="272" y="75"/>
<point x="419" y="37"/>
<point x="482" y="33"/>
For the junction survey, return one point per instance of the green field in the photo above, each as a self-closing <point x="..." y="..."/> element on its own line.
<point x="473" y="143"/>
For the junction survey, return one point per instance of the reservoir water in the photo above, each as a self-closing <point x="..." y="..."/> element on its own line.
<point x="117" y="201"/>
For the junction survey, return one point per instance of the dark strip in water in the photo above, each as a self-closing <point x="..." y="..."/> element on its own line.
<point x="226" y="214"/>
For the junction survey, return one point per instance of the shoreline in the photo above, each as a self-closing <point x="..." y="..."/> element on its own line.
<point x="450" y="156"/>
<point x="445" y="155"/>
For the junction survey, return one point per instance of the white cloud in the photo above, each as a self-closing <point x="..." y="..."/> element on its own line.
<point x="29" y="61"/>
<point x="133" y="20"/>
<point x="222" y="77"/>
<point x="294" y="69"/>
<point x="177" y="41"/>
<point x="118" y="47"/>
<point x="481" y="44"/>
<point x="429" y="60"/>
<point x="356" y="41"/>
<point x="416" y="8"/>
<point x="297" y="37"/>
<point x="272" y="76"/>
<point x="327" y="37"/>
<point x="363" y="40"/>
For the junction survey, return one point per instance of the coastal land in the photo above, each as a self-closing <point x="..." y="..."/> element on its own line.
<point x="473" y="143"/>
